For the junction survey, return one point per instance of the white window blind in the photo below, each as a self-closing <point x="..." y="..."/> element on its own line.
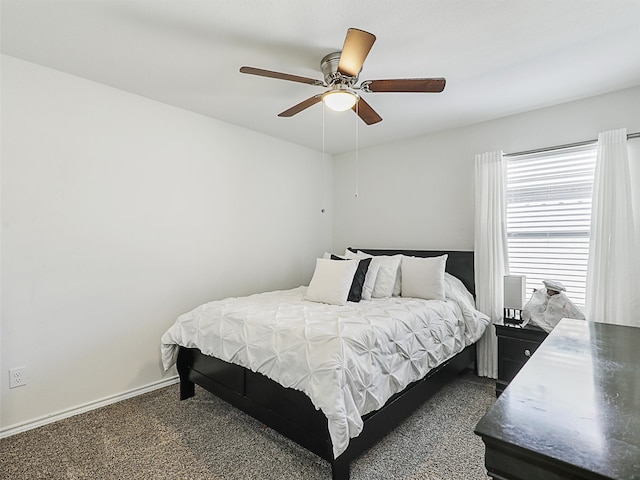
<point x="549" y="216"/>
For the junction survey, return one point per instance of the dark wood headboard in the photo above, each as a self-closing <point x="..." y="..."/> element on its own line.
<point x="459" y="263"/>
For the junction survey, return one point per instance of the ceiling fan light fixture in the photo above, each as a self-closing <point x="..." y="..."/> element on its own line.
<point x="340" y="100"/>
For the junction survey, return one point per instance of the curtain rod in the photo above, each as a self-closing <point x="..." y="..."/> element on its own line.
<point x="568" y="145"/>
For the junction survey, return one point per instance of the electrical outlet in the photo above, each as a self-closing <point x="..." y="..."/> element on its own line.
<point x="17" y="377"/>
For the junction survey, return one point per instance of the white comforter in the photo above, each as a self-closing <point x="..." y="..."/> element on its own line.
<point x="348" y="360"/>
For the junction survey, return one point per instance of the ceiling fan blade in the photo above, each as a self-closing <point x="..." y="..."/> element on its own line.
<point x="366" y="112"/>
<point x="356" y="47"/>
<point x="301" y="106"/>
<point x="426" y="85"/>
<point x="282" y="76"/>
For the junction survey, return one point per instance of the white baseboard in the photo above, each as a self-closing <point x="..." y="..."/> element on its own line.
<point x="86" y="407"/>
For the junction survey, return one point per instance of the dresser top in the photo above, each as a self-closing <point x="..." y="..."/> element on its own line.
<point x="577" y="400"/>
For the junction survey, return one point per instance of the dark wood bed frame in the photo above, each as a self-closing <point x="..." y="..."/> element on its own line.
<point x="291" y="412"/>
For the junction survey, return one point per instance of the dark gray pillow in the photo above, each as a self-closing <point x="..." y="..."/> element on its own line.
<point x="355" y="292"/>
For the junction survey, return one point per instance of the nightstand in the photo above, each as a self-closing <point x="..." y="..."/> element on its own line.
<point x="516" y="344"/>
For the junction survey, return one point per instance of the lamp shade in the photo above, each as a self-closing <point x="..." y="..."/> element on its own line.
<point x="339" y="100"/>
<point x="514" y="291"/>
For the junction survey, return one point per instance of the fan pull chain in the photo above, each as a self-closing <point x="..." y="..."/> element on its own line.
<point x="322" y="165"/>
<point x="357" y="117"/>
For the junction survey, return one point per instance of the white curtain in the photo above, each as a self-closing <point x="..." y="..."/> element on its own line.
<point x="613" y="272"/>
<point x="491" y="254"/>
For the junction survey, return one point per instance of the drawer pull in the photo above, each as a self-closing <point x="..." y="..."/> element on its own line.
<point x="527" y="353"/>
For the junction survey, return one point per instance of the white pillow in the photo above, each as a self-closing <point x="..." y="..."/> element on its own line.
<point x="397" y="287"/>
<point x="424" y="277"/>
<point x="331" y="281"/>
<point x="370" y="280"/>
<point x="387" y="276"/>
<point x="349" y="254"/>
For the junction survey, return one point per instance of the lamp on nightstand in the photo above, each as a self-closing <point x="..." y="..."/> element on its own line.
<point x="514" y="289"/>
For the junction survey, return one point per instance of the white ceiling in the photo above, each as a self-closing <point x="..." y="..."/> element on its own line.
<point x="499" y="57"/>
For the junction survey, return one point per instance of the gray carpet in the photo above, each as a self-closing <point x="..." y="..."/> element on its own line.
<point x="155" y="436"/>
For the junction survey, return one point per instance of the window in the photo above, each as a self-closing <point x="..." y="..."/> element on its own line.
<point x="549" y="216"/>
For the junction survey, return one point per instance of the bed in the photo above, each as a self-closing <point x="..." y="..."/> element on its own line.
<point x="317" y="391"/>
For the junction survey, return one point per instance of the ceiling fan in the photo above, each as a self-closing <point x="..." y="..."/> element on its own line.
<point x="341" y="71"/>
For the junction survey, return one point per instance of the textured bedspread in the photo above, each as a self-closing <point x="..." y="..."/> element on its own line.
<point x="349" y="360"/>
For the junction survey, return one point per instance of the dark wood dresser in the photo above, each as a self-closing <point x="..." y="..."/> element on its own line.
<point x="516" y="344"/>
<point x="573" y="411"/>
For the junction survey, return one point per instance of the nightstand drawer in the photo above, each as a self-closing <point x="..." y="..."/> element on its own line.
<point x="517" y="350"/>
<point x="515" y="347"/>
<point x="514" y="353"/>
<point x="509" y="368"/>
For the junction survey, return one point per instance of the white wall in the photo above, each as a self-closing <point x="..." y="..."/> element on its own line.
<point x="120" y="213"/>
<point x="419" y="193"/>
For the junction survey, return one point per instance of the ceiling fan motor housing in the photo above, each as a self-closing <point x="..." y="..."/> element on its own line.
<point x="332" y="77"/>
